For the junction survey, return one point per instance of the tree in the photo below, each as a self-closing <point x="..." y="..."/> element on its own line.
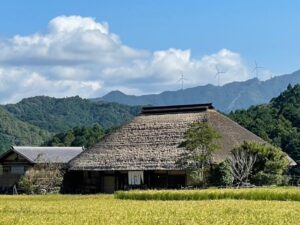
<point x="200" y="143"/>
<point x="271" y="165"/>
<point x="78" y="136"/>
<point x="261" y="164"/>
<point x="241" y="164"/>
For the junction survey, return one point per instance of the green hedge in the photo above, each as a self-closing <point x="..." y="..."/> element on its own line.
<point x="279" y="194"/>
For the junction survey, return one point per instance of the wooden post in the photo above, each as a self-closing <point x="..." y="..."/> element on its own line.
<point x="116" y="180"/>
<point x="149" y="178"/>
<point x="167" y="178"/>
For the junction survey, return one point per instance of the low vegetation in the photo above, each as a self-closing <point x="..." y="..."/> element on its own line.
<point x="104" y="209"/>
<point x="42" y="179"/>
<point x="278" y="194"/>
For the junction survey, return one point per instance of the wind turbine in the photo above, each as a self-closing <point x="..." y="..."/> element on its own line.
<point x="218" y="73"/>
<point x="256" y="69"/>
<point x="182" y="79"/>
<point x="271" y="76"/>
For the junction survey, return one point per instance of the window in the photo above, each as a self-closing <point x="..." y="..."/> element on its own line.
<point x="6" y="169"/>
<point x="87" y="174"/>
<point x="135" y="177"/>
<point x="17" y="169"/>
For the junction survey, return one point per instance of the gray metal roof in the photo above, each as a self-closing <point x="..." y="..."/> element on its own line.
<point x="47" y="154"/>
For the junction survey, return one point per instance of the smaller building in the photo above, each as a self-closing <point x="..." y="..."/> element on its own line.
<point x="15" y="162"/>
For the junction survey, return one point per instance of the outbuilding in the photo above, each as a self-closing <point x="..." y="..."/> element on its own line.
<point x="15" y="162"/>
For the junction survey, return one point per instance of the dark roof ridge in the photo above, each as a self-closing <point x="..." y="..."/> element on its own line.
<point x="177" y="108"/>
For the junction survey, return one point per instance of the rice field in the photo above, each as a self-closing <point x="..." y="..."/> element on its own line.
<point x="275" y="193"/>
<point x="105" y="209"/>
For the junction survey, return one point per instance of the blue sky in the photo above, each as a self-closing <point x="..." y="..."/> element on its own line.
<point x="265" y="31"/>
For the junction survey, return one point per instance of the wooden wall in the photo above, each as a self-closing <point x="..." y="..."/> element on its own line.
<point x="85" y="182"/>
<point x="13" y="166"/>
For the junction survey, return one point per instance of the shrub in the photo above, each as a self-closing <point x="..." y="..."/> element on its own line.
<point x="224" y="176"/>
<point x="262" y="178"/>
<point x="41" y="179"/>
<point x="26" y="185"/>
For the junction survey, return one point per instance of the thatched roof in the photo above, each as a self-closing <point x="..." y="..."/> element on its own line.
<point x="45" y="154"/>
<point x="151" y="140"/>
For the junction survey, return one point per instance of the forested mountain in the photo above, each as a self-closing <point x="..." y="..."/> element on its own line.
<point x="277" y="122"/>
<point x="16" y="132"/>
<point x="61" y="114"/>
<point x="34" y="121"/>
<point x="232" y="96"/>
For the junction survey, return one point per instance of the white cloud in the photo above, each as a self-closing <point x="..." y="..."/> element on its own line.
<point x="21" y="83"/>
<point x="63" y="24"/>
<point x="80" y="56"/>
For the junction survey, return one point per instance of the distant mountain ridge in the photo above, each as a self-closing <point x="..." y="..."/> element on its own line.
<point x="232" y="96"/>
<point x="61" y="114"/>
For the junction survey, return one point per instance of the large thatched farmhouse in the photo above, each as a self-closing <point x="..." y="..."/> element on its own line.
<point x="144" y="152"/>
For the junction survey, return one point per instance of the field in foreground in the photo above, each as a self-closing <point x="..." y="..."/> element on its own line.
<point x="104" y="209"/>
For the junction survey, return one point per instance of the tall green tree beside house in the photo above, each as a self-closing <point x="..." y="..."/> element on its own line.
<point x="200" y="143"/>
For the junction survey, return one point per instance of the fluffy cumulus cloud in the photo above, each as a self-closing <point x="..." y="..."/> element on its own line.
<point x="80" y="56"/>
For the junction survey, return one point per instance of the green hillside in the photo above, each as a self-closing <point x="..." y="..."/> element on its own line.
<point x="277" y="122"/>
<point x="61" y="114"/>
<point x="16" y="132"/>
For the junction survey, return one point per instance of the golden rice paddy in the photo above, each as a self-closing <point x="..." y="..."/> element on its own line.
<point x="105" y="209"/>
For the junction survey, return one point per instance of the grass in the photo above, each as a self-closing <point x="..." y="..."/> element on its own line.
<point x="105" y="209"/>
<point x="278" y="194"/>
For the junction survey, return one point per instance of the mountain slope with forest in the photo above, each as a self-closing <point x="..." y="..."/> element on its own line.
<point x="232" y="96"/>
<point x="277" y="122"/>
<point x="61" y="114"/>
<point x="16" y="132"/>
